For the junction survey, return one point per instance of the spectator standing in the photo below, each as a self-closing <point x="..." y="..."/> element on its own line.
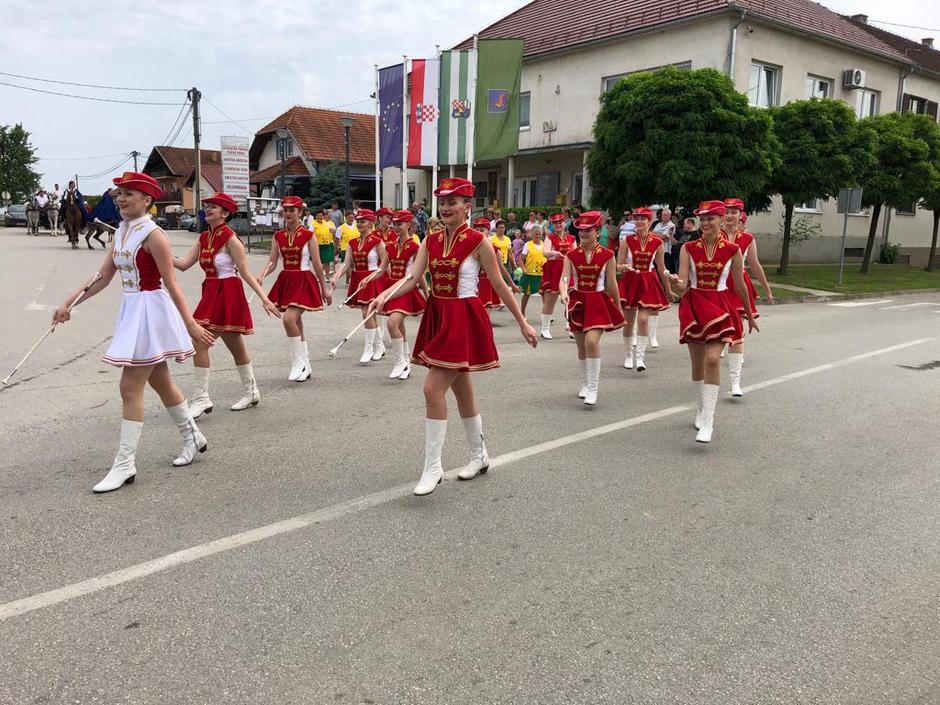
<point x="604" y="238"/>
<point x="530" y="223"/>
<point x="512" y="227"/>
<point x="336" y="215"/>
<point x="690" y="232"/>
<point x="421" y="220"/>
<point x="666" y="229"/>
<point x="627" y="226"/>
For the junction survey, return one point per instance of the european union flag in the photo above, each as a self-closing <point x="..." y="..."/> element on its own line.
<point x="497" y="100"/>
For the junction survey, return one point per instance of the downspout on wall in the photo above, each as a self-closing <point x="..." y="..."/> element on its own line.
<point x="733" y="45"/>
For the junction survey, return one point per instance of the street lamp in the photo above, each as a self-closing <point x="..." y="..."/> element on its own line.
<point x="283" y="139"/>
<point x="347" y="121"/>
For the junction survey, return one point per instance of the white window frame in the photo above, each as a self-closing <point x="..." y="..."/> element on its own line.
<point x="764" y="68"/>
<point x="862" y="94"/>
<point x="909" y="213"/>
<point x="812" y="83"/>
<point x="804" y="208"/>
<point x="524" y="191"/>
<point x="525" y="96"/>
<point x="608" y="82"/>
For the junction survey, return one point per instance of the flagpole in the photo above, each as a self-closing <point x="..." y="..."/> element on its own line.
<point x="404" y="136"/>
<point x="437" y="142"/>
<point x="378" y="171"/>
<point x="474" y="106"/>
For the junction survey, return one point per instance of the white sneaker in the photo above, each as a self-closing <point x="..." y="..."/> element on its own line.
<point x="479" y="459"/>
<point x="434" y="431"/>
<point x="200" y="403"/>
<point x="193" y="440"/>
<point x="252" y="394"/>
<point x="123" y="471"/>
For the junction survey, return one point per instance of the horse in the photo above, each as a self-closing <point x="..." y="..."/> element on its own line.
<point x="32" y="216"/>
<point x="106" y="212"/>
<point x="74" y="218"/>
<point x="52" y="214"/>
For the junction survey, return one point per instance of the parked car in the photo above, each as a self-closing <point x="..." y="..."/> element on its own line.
<point x="187" y="222"/>
<point x="160" y="221"/>
<point x="16" y="214"/>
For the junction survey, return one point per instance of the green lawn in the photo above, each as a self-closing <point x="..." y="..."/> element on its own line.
<point x="882" y="277"/>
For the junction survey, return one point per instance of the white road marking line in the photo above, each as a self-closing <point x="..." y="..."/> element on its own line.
<point x="854" y="304"/>
<point x="901" y="307"/>
<point x="195" y="553"/>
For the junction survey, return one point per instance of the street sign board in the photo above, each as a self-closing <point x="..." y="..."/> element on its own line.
<point x="235" y="168"/>
<point x="850" y="200"/>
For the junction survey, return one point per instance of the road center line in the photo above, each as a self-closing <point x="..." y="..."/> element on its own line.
<point x="856" y="304"/>
<point x="353" y="506"/>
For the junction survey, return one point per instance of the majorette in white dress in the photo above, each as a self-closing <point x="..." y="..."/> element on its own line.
<point x="149" y="329"/>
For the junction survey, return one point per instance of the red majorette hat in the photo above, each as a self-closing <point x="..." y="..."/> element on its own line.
<point x="365" y="214"/>
<point x="734" y="203"/>
<point x="384" y="211"/>
<point x="139" y="182"/>
<point x="222" y="200"/>
<point x="405" y="216"/>
<point x="455" y="187"/>
<point x="643" y="213"/>
<point x="292" y="202"/>
<point x="481" y="223"/>
<point x="710" y="208"/>
<point x="591" y="219"/>
<point x="556" y="217"/>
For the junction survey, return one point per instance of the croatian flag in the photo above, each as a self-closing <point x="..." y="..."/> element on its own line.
<point x="424" y="121"/>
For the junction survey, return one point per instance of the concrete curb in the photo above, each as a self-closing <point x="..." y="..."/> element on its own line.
<point x="810" y="299"/>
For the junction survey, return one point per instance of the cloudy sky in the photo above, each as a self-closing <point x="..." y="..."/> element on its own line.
<point x="250" y="60"/>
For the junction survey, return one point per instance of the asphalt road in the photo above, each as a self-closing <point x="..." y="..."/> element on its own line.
<point x="793" y="560"/>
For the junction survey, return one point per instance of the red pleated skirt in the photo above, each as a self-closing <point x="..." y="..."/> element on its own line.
<point x="592" y="310"/>
<point x="410" y="304"/>
<point x="223" y="307"/>
<point x="751" y="292"/>
<point x="296" y="287"/>
<point x="632" y="286"/>
<point x="648" y="293"/>
<point x="364" y="297"/>
<point x="488" y="295"/>
<point x="551" y="275"/>
<point x="707" y="316"/>
<point x="455" y="334"/>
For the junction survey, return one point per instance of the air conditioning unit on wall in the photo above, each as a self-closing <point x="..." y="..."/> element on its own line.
<point x="853" y="78"/>
<point x="549" y="126"/>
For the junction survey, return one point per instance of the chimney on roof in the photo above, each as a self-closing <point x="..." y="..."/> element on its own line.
<point x="927" y="42"/>
<point x="863" y="19"/>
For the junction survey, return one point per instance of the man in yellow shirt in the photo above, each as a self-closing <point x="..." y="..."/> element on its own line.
<point x="325" y="232"/>
<point x="347" y="232"/>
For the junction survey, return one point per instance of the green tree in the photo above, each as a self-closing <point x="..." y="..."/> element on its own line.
<point x="17" y="157"/>
<point x="931" y="203"/>
<point x="907" y="152"/>
<point x="327" y="185"/>
<point x="678" y="137"/>
<point x="822" y="150"/>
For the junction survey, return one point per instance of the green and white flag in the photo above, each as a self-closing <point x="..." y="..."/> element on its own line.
<point x="499" y="78"/>
<point x="458" y="69"/>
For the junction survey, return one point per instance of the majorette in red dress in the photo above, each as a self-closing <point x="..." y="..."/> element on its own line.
<point x="223" y="307"/>
<point x="743" y="239"/>
<point x="589" y="306"/>
<point x="551" y="270"/>
<point x="455" y="332"/>
<point x="707" y="312"/>
<point x="296" y="285"/>
<point x="400" y="257"/>
<point x="642" y="288"/>
<point x="488" y="294"/>
<point x="365" y="261"/>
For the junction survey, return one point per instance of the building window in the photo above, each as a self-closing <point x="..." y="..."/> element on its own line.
<point x="525" y="103"/>
<point x="763" y="89"/>
<point x="916" y="104"/>
<point x="611" y="81"/>
<point x="817" y="87"/>
<point x="907" y="211"/>
<point x="810" y="206"/>
<point x="524" y="191"/>
<point x="577" y="187"/>
<point x="866" y="103"/>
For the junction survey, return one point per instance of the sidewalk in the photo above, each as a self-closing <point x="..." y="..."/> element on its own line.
<point x="792" y="287"/>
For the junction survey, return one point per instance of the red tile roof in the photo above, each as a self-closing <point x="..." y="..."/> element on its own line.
<point x="212" y="173"/>
<point x="293" y="167"/>
<point x="181" y="160"/>
<point x="319" y="133"/>
<point x="917" y="52"/>
<point x="550" y="25"/>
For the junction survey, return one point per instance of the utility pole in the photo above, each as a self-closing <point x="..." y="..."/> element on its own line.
<point x="195" y="96"/>
<point x="135" y="154"/>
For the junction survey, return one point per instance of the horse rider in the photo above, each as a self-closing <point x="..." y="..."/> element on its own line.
<point x="72" y="195"/>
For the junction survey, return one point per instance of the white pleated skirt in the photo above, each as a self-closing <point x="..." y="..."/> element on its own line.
<point x="149" y="330"/>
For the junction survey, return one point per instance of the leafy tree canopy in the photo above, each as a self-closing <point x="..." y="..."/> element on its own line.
<point x="17" y="157"/>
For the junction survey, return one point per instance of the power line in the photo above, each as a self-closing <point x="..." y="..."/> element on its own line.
<point x="107" y="171"/>
<point x="180" y="128"/>
<point x="85" y="97"/>
<point x="93" y="85"/>
<point x="908" y="26"/>
<point x="224" y="114"/>
<point x="176" y="122"/>
<point x="271" y="117"/>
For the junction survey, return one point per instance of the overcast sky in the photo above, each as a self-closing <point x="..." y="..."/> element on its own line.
<point x="251" y="59"/>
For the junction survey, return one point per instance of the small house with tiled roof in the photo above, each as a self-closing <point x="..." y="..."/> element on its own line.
<point x="315" y="138"/>
<point x="173" y="168"/>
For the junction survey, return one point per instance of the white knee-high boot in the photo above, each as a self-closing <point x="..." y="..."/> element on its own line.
<point x="546" y="331"/>
<point x="593" y="380"/>
<point x="434" y="432"/>
<point x="193" y="440"/>
<point x="479" y="458"/>
<point x="296" y="357"/>
<point x="629" y="343"/>
<point x="305" y="370"/>
<point x="653" y="325"/>
<point x="252" y="394"/>
<point x="735" y="363"/>
<point x="699" y="383"/>
<point x="641" y="352"/>
<point x="583" y="391"/>
<point x="200" y="403"/>
<point x="369" y="348"/>
<point x="709" y="399"/>
<point x="378" y="351"/>
<point x="398" y="352"/>
<point x="123" y="471"/>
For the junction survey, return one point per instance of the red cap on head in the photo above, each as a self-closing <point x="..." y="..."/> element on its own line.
<point x="455" y="186"/>
<point x="292" y="202"/>
<point x="139" y="182"/>
<point x="401" y="216"/>
<point x="365" y="214"/>
<point x="481" y="223"/>
<point x="643" y="213"/>
<point x="591" y="219"/>
<point x="734" y="203"/>
<point x="556" y="217"/>
<point x="384" y="211"/>
<point x="223" y="200"/>
<point x="710" y="208"/>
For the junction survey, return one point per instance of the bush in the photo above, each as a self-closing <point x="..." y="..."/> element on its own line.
<point x="802" y="229"/>
<point x="889" y="253"/>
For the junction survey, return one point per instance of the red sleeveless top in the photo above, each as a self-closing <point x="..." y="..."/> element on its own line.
<point x="398" y="256"/>
<point x="742" y="238"/>
<point x="210" y="243"/>
<point x="361" y="246"/>
<point x="292" y="246"/>
<point x="643" y="256"/>
<point x="563" y="244"/>
<point x="444" y="265"/>
<point x="588" y="272"/>
<point x="710" y="272"/>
